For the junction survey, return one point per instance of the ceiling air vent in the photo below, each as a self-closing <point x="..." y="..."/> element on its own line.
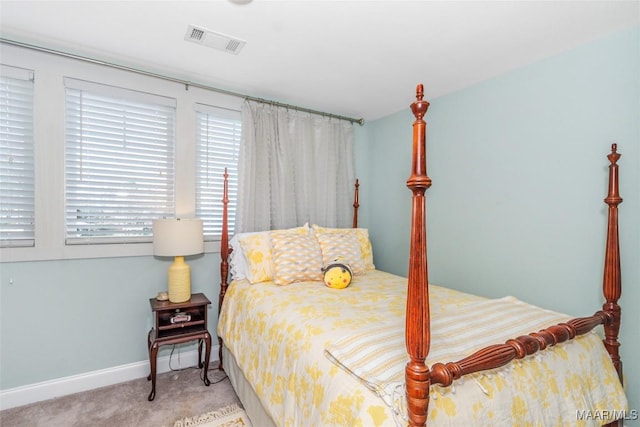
<point x="214" y="40"/>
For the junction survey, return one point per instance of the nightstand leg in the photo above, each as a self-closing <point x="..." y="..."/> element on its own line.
<point x="207" y="355"/>
<point x="153" y="354"/>
<point x="149" y="350"/>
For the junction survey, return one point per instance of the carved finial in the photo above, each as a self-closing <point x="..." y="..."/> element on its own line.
<point x="614" y="156"/>
<point x="419" y="92"/>
<point x="419" y="107"/>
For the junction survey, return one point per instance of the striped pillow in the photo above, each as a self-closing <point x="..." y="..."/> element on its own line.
<point x="362" y="234"/>
<point x="344" y="247"/>
<point x="254" y="250"/>
<point x="296" y="257"/>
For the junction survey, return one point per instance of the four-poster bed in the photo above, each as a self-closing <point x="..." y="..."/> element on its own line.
<point x="326" y="357"/>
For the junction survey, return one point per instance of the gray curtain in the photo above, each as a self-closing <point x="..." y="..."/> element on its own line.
<point x="294" y="167"/>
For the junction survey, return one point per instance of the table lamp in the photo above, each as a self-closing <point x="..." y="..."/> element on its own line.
<point x="178" y="237"/>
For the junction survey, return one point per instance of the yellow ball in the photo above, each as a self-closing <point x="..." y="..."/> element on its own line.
<point x="337" y="276"/>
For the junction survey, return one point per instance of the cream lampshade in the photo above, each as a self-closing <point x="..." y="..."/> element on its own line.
<point x="178" y="237"/>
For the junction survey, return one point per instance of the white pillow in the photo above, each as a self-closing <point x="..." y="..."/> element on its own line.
<point x="238" y="268"/>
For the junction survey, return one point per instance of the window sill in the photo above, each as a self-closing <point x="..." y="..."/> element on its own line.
<point x="22" y="254"/>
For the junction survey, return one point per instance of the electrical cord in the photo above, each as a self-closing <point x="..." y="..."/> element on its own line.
<point x="173" y="347"/>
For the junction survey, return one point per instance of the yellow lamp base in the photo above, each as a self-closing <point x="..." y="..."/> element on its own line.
<point x="179" y="280"/>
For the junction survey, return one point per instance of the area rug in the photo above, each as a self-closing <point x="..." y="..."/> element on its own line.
<point x="229" y="416"/>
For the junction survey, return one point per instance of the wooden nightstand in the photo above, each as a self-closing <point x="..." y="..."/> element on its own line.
<point x="177" y="323"/>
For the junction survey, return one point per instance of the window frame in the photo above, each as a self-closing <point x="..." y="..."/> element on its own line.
<point x="110" y="102"/>
<point x="221" y="114"/>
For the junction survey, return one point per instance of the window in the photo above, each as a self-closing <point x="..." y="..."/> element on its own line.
<point x="17" y="190"/>
<point x="218" y="134"/>
<point x="91" y="155"/>
<point x="119" y="163"/>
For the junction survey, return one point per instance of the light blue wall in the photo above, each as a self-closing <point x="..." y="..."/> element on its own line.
<point x="62" y="318"/>
<point x="519" y="176"/>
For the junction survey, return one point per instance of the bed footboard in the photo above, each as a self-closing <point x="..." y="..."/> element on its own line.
<point x="499" y="355"/>
<point x="419" y="377"/>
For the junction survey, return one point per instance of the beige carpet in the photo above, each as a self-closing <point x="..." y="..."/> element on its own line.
<point x="178" y="395"/>
<point x="230" y="416"/>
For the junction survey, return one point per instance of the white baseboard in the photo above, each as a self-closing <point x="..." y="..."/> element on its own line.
<point x="45" y="390"/>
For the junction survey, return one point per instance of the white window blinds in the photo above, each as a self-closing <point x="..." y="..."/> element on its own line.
<point x="217" y="144"/>
<point x="119" y="163"/>
<point x="17" y="212"/>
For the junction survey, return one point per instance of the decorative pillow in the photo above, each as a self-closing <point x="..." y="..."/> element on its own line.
<point x="256" y="248"/>
<point x="257" y="254"/>
<point x="337" y="275"/>
<point x="342" y="246"/>
<point x="362" y="234"/>
<point x="296" y="257"/>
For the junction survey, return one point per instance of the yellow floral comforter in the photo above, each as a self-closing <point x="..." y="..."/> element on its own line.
<point x="279" y="336"/>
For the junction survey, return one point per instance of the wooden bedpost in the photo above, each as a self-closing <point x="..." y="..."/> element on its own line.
<point x="224" y="253"/>
<point x="417" y="318"/>
<point x="356" y="203"/>
<point x="612" y="284"/>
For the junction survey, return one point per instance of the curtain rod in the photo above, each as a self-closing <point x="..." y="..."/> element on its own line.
<point x="186" y="83"/>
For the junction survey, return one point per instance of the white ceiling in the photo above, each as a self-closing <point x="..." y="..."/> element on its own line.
<point x="355" y="58"/>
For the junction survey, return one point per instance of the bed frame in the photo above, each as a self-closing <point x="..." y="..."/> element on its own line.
<point x="418" y="376"/>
